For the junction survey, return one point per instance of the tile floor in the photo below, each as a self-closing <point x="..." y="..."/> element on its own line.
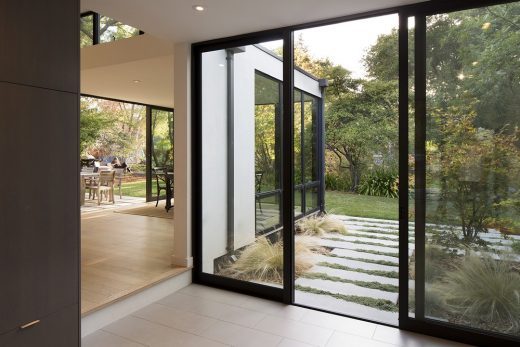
<point x="198" y="316"/>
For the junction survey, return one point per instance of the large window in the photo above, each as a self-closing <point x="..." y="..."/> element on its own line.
<point x="95" y="29"/>
<point x="467" y="257"/>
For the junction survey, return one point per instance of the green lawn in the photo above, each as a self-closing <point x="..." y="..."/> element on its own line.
<point x="136" y="189"/>
<point x="335" y="202"/>
<point x="361" y="205"/>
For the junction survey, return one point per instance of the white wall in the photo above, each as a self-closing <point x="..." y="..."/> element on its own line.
<point x="214" y="157"/>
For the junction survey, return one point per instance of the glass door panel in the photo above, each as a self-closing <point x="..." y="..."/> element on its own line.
<point x="468" y="265"/>
<point x="241" y="164"/>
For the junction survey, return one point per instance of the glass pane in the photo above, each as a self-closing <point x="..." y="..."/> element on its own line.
<point x="310" y="116"/>
<point x="242" y="234"/>
<point x="311" y="199"/>
<point x="162" y="144"/>
<point x="298" y="202"/>
<point x="472" y="169"/>
<point x="86" y="30"/>
<point x="298" y="175"/>
<point x="112" y="30"/>
<point x="356" y="271"/>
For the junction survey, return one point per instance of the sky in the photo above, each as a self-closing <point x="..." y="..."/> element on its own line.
<point x="345" y="43"/>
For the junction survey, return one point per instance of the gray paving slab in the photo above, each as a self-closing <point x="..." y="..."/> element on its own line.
<point x="350" y="245"/>
<point x="355" y="264"/>
<point x="362" y="255"/>
<point x="347" y="289"/>
<point x="353" y="275"/>
<point x="329" y="303"/>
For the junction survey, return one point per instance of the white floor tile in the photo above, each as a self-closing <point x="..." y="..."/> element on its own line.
<point x="340" y="339"/>
<point x="299" y="331"/>
<point x="293" y="343"/>
<point x="343" y="324"/>
<point x="236" y="335"/>
<point x="186" y="321"/>
<point x="104" y="339"/>
<point x="402" y="338"/>
<point x="155" y="335"/>
<point x="274" y="308"/>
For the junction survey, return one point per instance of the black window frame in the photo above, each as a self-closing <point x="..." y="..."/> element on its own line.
<point x="96" y="25"/>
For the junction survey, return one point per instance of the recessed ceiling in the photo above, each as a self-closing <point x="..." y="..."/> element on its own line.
<point x="177" y="21"/>
<point x="139" y="69"/>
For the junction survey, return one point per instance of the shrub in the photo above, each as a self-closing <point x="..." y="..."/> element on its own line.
<point x="482" y="290"/>
<point x="515" y="246"/>
<point x="334" y="181"/>
<point x="380" y="183"/>
<point x="263" y="261"/>
<point x="317" y="226"/>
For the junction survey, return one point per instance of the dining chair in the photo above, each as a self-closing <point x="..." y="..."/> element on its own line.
<point x="120" y="174"/>
<point x="105" y="185"/>
<point x="160" y="181"/>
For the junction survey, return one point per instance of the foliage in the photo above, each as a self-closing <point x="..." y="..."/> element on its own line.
<point x="263" y="261"/>
<point x="336" y="182"/>
<point x="484" y="290"/>
<point x="470" y="158"/>
<point x="122" y="132"/>
<point x="92" y="123"/>
<point x="380" y="183"/>
<point x="319" y="225"/>
<point x="515" y="246"/>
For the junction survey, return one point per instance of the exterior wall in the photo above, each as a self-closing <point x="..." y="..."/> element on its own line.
<point x="215" y="138"/>
<point x="214" y="161"/>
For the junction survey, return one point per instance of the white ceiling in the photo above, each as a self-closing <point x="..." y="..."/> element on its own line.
<point x="109" y="69"/>
<point x="176" y="20"/>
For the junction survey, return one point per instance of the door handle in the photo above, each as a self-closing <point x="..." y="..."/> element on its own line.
<point x="30" y="324"/>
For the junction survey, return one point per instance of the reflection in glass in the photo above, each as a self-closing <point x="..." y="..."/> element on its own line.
<point x="472" y="169"/>
<point x="86" y="30"/>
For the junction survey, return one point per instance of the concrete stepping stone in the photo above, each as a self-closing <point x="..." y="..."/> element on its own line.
<point x="355" y="264"/>
<point x="361" y="255"/>
<point x="374" y="236"/>
<point x="354" y="246"/>
<point x="347" y="289"/>
<point x="362" y="239"/>
<point x="360" y="228"/>
<point x="353" y="275"/>
<point x="332" y="304"/>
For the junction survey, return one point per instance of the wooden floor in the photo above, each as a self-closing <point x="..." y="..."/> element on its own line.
<point x="121" y="254"/>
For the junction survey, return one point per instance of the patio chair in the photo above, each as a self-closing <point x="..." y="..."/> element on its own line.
<point x="105" y="185"/>
<point x="160" y="181"/>
<point x="120" y="174"/>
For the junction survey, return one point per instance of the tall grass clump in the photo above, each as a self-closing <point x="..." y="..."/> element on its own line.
<point x="484" y="291"/>
<point x="319" y="225"/>
<point x="263" y="261"/>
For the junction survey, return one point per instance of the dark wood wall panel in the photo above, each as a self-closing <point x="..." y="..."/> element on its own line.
<point x="39" y="203"/>
<point x="61" y="326"/>
<point x="39" y="43"/>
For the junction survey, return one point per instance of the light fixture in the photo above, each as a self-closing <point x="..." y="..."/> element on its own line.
<point x="198" y="8"/>
<point x="136" y="81"/>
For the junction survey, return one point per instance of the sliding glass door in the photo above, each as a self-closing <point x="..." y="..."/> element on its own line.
<point x="388" y="193"/>
<point x="464" y="255"/>
<point x="240" y="154"/>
